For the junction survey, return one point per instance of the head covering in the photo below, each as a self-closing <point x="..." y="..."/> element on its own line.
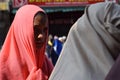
<point x="91" y="45"/>
<point x="19" y="54"/>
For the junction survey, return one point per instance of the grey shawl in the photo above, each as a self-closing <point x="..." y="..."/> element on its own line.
<point x="91" y="46"/>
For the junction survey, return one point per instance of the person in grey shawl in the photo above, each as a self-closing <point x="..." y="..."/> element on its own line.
<point x="92" y="44"/>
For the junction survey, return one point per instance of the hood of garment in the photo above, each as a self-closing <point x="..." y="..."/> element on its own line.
<point x="92" y="44"/>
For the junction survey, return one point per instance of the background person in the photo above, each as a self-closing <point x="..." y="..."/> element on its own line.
<point x="49" y="46"/>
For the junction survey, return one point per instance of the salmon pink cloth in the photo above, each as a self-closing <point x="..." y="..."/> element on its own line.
<point x="19" y="55"/>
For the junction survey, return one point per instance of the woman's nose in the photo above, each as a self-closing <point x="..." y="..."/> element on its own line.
<point x="40" y="36"/>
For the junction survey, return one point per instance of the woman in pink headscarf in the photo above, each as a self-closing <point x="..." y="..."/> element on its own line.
<point x="22" y="56"/>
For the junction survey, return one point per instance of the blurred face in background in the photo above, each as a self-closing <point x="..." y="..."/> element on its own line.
<point x="40" y="29"/>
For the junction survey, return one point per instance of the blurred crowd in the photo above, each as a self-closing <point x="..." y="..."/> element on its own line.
<point x="54" y="47"/>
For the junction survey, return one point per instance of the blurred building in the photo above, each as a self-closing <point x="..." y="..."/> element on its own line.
<point x="4" y="20"/>
<point x="61" y="13"/>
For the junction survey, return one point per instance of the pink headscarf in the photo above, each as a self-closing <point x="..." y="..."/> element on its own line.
<point x="19" y="54"/>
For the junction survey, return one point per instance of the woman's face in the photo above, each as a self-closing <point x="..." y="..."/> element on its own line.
<point x="40" y="30"/>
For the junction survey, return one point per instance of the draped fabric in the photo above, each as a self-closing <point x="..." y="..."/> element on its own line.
<point x="19" y="54"/>
<point x="92" y="45"/>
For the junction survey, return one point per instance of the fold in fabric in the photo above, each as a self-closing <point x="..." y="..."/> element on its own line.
<point x="19" y="55"/>
<point x="92" y="45"/>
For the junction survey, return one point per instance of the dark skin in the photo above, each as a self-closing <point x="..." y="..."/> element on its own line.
<point x="40" y="29"/>
<point x="40" y="25"/>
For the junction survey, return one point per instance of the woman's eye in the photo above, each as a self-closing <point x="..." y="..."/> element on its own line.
<point x="37" y="30"/>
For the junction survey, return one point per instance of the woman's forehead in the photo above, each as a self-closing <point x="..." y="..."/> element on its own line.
<point x="37" y="19"/>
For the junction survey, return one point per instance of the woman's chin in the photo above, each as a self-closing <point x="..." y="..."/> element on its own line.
<point x="39" y="46"/>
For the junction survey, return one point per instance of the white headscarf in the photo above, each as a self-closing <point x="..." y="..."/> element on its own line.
<point x="91" y="46"/>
